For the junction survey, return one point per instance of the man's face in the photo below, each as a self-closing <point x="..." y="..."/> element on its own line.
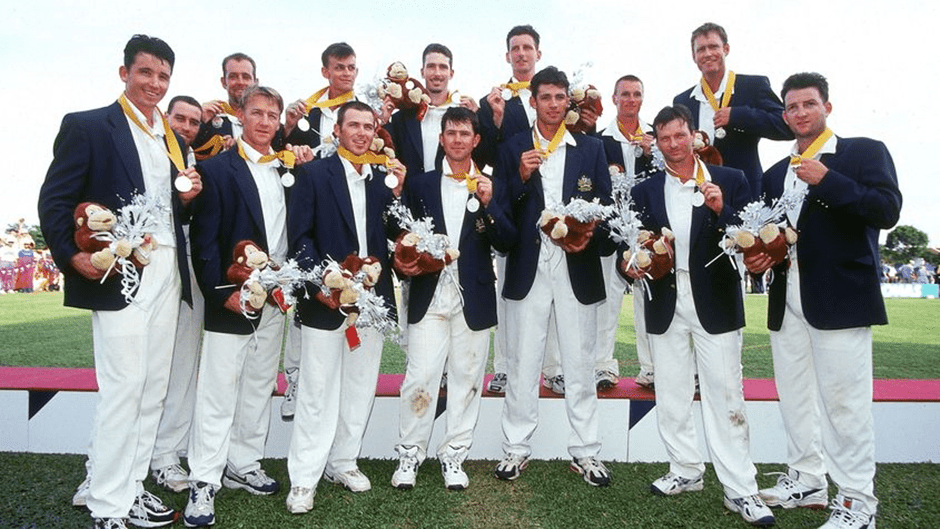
<point x="459" y="140"/>
<point x="147" y="80"/>
<point x="341" y="73"/>
<point x="260" y="119"/>
<point x="239" y="75"/>
<point x="708" y="52"/>
<point x="185" y="120"/>
<point x="805" y="113"/>
<point x="436" y="72"/>
<point x="628" y="98"/>
<point x="522" y="54"/>
<point x="356" y="131"/>
<point x="550" y="104"/>
<point x="675" y="141"/>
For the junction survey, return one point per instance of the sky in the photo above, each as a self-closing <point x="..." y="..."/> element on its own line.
<point x="63" y="56"/>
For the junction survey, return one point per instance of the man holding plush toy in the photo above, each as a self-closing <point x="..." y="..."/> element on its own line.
<point x="823" y="301"/>
<point x="107" y="156"/>
<point x="239" y="225"/>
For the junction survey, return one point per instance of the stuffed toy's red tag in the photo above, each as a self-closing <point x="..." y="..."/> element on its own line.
<point x="352" y="338"/>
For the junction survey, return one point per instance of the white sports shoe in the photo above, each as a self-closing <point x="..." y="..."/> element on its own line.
<point x="172" y="477"/>
<point x="605" y="380"/>
<point x="847" y="514"/>
<point x="200" y="510"/>
<point x="555" y="384"/>
<point x="672" y="484"/>
<point x="289" y="404"/>
<point x="644" y="379"/>
<point x="593" y="471"/>
<point x="406" y="474"/>
<point x="752" y="509"/>
<point x="454" y="476"/>
<point x="352" y="480"/>
<point x="511" y="466"/>
<point x="80" y="498"/>
<point x="300" y="500"/>
<point x="790" y="493"/>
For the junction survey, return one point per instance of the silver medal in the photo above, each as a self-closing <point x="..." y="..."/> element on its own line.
<point x="720" y="133"/>
<point x="183" y="184"/>
<point x="637" y="151"/>
<point x="303" y="125"/>
<point x="473" y="205"/>
<point x="697" y="199"/>
<point x="507" y="94"/>
<point x="391" y="181"/>
<point x="287" y="179"/>
<point x="217" y="122"/>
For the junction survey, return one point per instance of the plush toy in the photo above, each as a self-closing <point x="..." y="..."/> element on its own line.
<point x="410" y="261"/>
<point x="246" y="258"/>
<point x="705" y="150"/>
<point x="582" y="98"/>
<point x="382" y="143"/>
<point x="91" y="218"/>
<point x="771" y="239"/>
<point x="405" y="92"/>
<point x="340" y="279"/>
<point x="654" y="254"/>
<point x="564" y="230"/>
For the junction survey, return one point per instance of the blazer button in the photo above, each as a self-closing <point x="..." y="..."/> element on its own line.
<point x="537" y="241"/>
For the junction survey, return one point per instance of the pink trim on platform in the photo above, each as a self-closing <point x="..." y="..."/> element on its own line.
<point x="757" y="389"/>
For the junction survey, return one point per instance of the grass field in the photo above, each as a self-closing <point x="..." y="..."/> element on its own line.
<point x="38" y="331"/>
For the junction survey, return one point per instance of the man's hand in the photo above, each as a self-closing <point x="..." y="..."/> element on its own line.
<point x="384" y="115"/>
<point x="647" y="144"/>
<point x="582" y="244"/>
<point x="228" y="142"/>
<point x="210" y="110"/>
<point x="722" y="117"/>
<point x="811" y="171"/>
<point x="529" y="162"/>
<point x="233" y="303"/>
<point x="484" y="190"/>
<point x="398" y="169"/>
<point x="589" y="117"/>
<point x="757" y="263"/>
<point x="498" y="104"/>
<point x="81" y="263"/>
<point x="196" y="179"/>
<point x="469" y="102"/>
<point x="303" y="153"/>
<point x="713" y="197"/>
<point x="292" y="115"/>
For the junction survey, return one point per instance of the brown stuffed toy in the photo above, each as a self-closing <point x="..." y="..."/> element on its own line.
<point x="405" y="92"/>
<point x="771" y="240"/>
<point x="582" y="98"/>
<point x="654" y="255"/>
<point x="246" y="258"/>
<point x="565" y="231"/>
<point x="705" y="150"/>
<point x="91" y="218"/>
<point x="410" y="262"/>
<point x="382" y="143"/>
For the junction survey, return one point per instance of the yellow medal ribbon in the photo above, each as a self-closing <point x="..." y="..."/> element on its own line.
<point x="725" y="97"/>
<point x="172" y="147"/>
<point x="699" y="173"/>
<point x="226" y="107"/>
<point x="286" y="157"/>
<point x="636" y="137"/>
<point x="515" y="87"/>
<point x="552" y="145"/>
<point x="813" y="148"/>
<point x="368" y="157"/>
<point x="210" y="148"/>
<point x="313" y="101"/>
<point x="471" y="180"/>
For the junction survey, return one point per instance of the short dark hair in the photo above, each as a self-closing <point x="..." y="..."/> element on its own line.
<point x="263" y="91"/>
<point x="523" y="30"/>
<point x="628" y="77"/>
<point x="239" y="56"/>
<point x="189" y="100"/>
<point x="337" y="50"/>
<point x="146" y="44"/>
<point x="437" y="48"/>
<point x="667" y="114"/>
<point x="456" y="115"/>
<point x="548" y="75"/>
<point x="352" y="105"/>
<point x="806" y="80"/>
<point x="705" y="29"/>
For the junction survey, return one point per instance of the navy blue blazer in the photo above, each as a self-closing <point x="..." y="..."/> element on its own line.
<point x="228" y="211"/>
<point x="405" y="130"/>
<point x="756" y="112"/>
<point x="716" y="288"/>
<point x="838" y="228"/>
<point x="207" y="130"/>
<point x="480" y="231"/>
<point x="526" y="201"/>
<point x="320" y="224"/>
<point x="515" y="120"/>
<point x="311" y="137"/>
<point x="95" y="160"/>
<point x="614" y="151"/>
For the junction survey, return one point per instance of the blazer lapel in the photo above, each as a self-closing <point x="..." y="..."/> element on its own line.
<point x="249" y="190"/>
<point x="124" y="143"/>
<point x="340" y="189"/>
<point x="572" y="163"/>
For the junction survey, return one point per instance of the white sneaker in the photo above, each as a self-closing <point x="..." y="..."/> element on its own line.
<point x="672" y="484"/>
<point x="110" y="523"/>
<point x="200" y="510"/>
<point x="172" y="477"/>
<point x="454" y="476"/>
<point x="555" y="384"/>
<point x="150" y="511"/>
<point x="352" y="480"/>
<point x="300" y="500"/>
<point x="593" y="471"/>
<point x="605" y="379"/>
<point x="790" y="493"/>
<point x="752" y="509"/>
<point x="406" y="474"/>
<point x="644" y="379"/>
<point x="255" y="482"/>
<point x="289" y="404"/>
<point x="497" y="383"/>
<point x="511" y="466"/>
<point x="847" y="514"/>
<point x="80" y="498"/>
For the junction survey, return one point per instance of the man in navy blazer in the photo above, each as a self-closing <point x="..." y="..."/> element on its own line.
<point x="450" y="312"/>
<point x="543" y="168"/>
<point x="700" y="300"/>
<point x="337" y="208"/>
<point x="107" y="156"/>
<point x="823" y="301"/>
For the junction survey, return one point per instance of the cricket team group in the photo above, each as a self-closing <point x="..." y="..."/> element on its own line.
<point x="184" y="367"/>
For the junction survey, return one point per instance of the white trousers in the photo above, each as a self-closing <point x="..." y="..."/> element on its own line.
<point x="500" y="345"/>
<point x="528" y="326"/>
<point x="237" y="375"/>
<point x="824" y="381"/>
<point x="292" y="346"/>
<point x="173" y="433"/>
<point x="334" y="400"/>
<point x="608" y="316"/>
<point x="133" y="349"/>
<point x="644" y="354"/>
<point x="442" y="340"/>
<point x="718" y="357"/>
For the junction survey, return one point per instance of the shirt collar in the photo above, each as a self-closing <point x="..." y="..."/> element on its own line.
<point x="157" y="128"/>
<point x="698" y="93"/>
<point x="446" y="170"/>
<point x="613" y="130"/>
<point x="568" y="139"/>
<point x="350" y="171"/>
<point x="828" y="148"/>
<point x="254" y="156"/>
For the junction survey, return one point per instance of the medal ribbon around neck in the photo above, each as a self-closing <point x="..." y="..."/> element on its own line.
<point x="725" y="97"/>
<point x="367" y="157"/>
<point x="471" y="180"/>
<point x="552" y="145"/>
<point x="515" y="87"/>
<point x="286" y="157"/>
<point x="226" y="107"/>
<point x="813" y="148"/>
<point x="172" y="147"/>
<point x="699" y="172"/>
<point x="210" y="148"/>
<point x="635" y="137"/>
<point x="313" y="101"/>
